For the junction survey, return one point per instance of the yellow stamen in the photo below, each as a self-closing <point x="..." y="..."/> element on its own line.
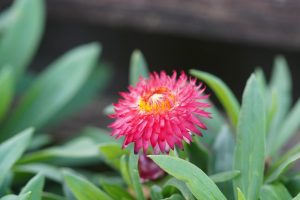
<point x="158" y="100"/>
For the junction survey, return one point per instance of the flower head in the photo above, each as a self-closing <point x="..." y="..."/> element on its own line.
<point x="161" y="111"/>
<point x="148" y="169"/>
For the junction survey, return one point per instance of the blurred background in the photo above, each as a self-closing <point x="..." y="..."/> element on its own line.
<point x="228" y="38"/>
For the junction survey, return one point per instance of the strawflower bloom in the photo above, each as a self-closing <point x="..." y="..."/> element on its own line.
<point x="148" y="169"/>
<point x="160" y="111"/>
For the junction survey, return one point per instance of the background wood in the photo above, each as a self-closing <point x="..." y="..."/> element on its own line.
<point x="263" y="22"/>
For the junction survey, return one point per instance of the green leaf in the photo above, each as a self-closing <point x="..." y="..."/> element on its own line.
<point x="213" y="125"/>
<point x="225" y="176"/>
<point x="39" y="141"/>
<point x="274" y="192"/>
<point x="196" y="180"/>
<point x="67" y="155"/>
<point x="181" y="186"/>
<point x="83" y="189"/>
<point x="223" y="149"/>
<point x="112" y="152"/>
<point x="6" y="183"/>
<point x="282" y="84"/>
<point x="98" y="135"/>
<point x="124" y="169"/>
<point x="222" y="91"/>
<point x="240" y="194"/>
<point x="138" y="67"/>
<point x="51" y="172"/>
<point x="21" y="37"/>
<point x="6" y="90"/>
<point x="116" y="191"/>
<point x="289" y="128"/>
<point x="293" y="184"/>
<point x="93" y="86"/>
<point x="261" y="78"/>
<point x="5" y="20"/>
<point x="134" y="175"/>
<point x="11" y="150"/>
<point x="198" y="154"/>
<point x="155" y="192"/>
<point x="250" y="147"/>
<point x="174" y="197"/>
<point x="297" y="197"/>
<point x="35" y="186"/>
<point x="50" y="196"/>
<point x="15" y="197"/>
<point x="282" y="165"/>
<point x="55" y="87"/>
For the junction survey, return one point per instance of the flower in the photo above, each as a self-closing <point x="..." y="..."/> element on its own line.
<point x="148" y="169"/>
<point x="161" y="112"/>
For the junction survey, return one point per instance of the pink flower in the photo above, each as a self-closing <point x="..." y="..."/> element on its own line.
<point x="160" y="112"/>
<point x="148" y="169"/>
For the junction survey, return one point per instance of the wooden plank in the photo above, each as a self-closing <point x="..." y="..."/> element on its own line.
<point x="263" y="22"/>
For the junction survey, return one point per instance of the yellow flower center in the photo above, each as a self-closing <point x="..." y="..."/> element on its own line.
<point x="158" y="100"/>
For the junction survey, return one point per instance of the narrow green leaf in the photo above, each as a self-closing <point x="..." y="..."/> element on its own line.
<point x="51" y="172"/>
<point x="15" y="197"/>
<point x="116" y="191"/>
<point x="281" y="165"/>
<point x="35" y="186"/>
<point x="51" y="196"/>
<point x="38" y="141"/>
<point x="282" y="84"/>
<point x="222" y="159"/>
<point x="297" y="197"/>
<point x="112" y="152"/>
<point x="225" y="176"/>
<point x="83" y="189"/>
<point x="274" y="192"/>
<point x="289" y="128"/>
<point x="138" y="67"/>
<point x="271" y="108"/>
<point x="134" y="175"/>
<point x="213" y="126"/>
<point x="5" y="20"/>
<point x="181" y="186"/>
<point x="21" y="37"/>
<point x="240" y="194"/>
<point x="222" y="91"/>
<point x="250" y="147"/>
<point x="174" y="197"/>
<point x="155" y="192"/>
<point x="66" y="155"/>
<point x="196" y="180"/>
<point x="6" y="90"/>
<point x="93" y="86"/>
<point x="5" y="187"/>
<point x="11" y="150"/>
<point x="293" y="184"/>
<point x="124" y="169"/>
<point x="261" y="78"/>
<point x="198" y="154"/>
<point x="223" y="149"/>
<point x="55" y="87"/>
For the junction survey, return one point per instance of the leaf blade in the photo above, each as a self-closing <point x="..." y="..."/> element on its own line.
<point x="250" y="146"/>
<point x="83" y="189"/>
<point x="138" y="67"/>
<point x="11" y="150"/>
<point x="53" y="89"/>
<point x="194" y="177"/>
<point x="222" y="91"/>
